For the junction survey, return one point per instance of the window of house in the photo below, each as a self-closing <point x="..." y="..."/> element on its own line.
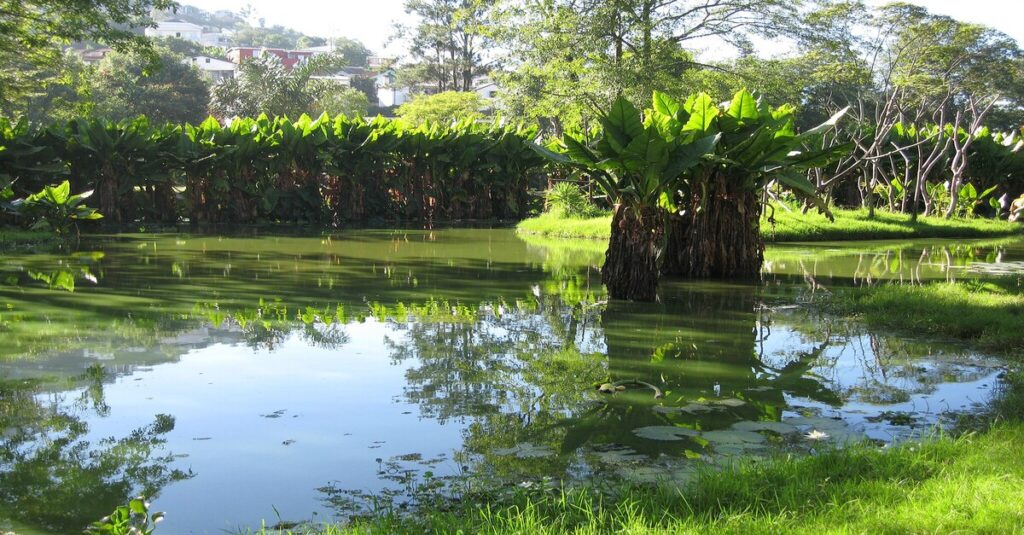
<point x="177" y="34"/>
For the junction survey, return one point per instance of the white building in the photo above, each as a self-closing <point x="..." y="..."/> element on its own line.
<point x="387" y="93"/>
<point x="215" y="70"/>
<point x="219" y="38"/>
<point x="486" y="88"/>
<point x="177" y="28"/>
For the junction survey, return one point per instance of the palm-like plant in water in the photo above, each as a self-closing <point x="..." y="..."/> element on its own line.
<point x="715" y="229"/>
<point x="685" y="179"/>
<point x="635" y="162"/>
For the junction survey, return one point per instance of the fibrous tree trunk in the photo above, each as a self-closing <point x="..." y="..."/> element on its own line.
<point x="718" y="235"/>
<point x="630" y="268"/>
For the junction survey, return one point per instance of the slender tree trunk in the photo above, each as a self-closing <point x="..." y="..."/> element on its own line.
<point x="719" y="235"/>
<point x="630" y="268"/>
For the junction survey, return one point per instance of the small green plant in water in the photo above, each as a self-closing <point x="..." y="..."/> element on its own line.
<point x="131" y="519"/>
<point x="56" y="209"/>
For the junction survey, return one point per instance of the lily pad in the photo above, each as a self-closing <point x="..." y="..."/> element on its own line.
<point x="691" y="408"/>
<point x="619" y="456"/>
<point x="735" y="449"/>
<point x="729" y="436"/>
<point x="779" y="427"/>
<point x="664" y="432"/>
<point x="729" y="402"/>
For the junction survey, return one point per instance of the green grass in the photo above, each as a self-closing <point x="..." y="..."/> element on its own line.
<point x="552" y="226"/>
<point x="988" y="312"/>
<point x="792" y="226"/>
<point x="974" y="484"/>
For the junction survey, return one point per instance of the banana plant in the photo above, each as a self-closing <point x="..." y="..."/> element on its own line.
<point x="637" y="161"/>
<point x="56" y="209"/>
<point x="716" y="228"/>
<point x="24" y="156"/>
<point x="700" y="166"/>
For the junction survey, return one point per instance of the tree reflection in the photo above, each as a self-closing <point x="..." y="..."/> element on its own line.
<point x="524" y="381"/>
<point x="53" y="478"/>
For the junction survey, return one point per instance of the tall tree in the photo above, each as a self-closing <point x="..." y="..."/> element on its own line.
<point x="576" y="56"/>
<point x="125" y="85"/>
<point x="448" y="42"/>
<point x="32" y="33"/>
<point x="263" y="85"/>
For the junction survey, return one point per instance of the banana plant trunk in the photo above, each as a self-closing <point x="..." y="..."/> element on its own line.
<point x="719" y="234"/>
<point x="630" y="268"/>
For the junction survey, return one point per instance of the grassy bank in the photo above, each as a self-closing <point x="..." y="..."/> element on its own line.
<point x="13" y="238"/>
<point x="792" y="226"/>
<point x="972" y="483"/>
<point x="988" y="312"/>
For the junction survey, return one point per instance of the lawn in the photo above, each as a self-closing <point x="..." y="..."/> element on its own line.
<point x="792" y="226"/>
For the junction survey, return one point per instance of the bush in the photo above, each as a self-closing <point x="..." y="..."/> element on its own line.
<point x="566" y="199"/>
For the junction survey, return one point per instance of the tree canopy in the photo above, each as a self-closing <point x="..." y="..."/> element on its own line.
<point x="442" y="108"/>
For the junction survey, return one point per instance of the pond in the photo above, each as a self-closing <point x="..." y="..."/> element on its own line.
<point x="249" y="377"/>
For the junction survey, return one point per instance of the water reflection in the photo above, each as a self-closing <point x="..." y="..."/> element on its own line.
<point x="52" y="477"/>
<point x="314" y="376"/>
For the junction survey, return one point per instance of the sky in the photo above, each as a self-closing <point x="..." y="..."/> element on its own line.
<point x="372" y="21"/>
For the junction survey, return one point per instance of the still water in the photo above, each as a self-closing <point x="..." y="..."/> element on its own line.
<point x="248" y="378"/>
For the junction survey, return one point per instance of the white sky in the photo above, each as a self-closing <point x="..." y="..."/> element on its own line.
<point x="371" y="21"/>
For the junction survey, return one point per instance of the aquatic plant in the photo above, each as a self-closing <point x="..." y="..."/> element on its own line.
<point x="685" y="180"/>
<point x="56" y="209"/>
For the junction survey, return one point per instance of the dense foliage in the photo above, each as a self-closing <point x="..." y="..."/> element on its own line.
<point x="685" y="180"/>
<point x="263" y="170"/>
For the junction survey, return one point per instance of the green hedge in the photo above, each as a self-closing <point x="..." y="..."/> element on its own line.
<point x="274" y="169"/>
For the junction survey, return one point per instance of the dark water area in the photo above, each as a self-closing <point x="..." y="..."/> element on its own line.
<point x="236" y="379"/>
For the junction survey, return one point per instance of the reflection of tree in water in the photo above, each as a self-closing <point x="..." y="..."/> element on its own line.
<point x="524" y="382"/>
<point x="513" y="377"/>
<point x="53" y="479"/>
<point x="891" y="368"/>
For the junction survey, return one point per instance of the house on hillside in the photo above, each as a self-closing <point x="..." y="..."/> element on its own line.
<point x="94" y="55"/>
<point x="379" y="62"/>
<point x="213" y="69"/>
<point x="189" y="32"/>
<point x="387" y="93"/>
<point x="219" y="38"/>
<point x="290" y="58"/>
<point x="346" y="75"/>
<point x="176" y="28"/>
<point x="486" y="88"/>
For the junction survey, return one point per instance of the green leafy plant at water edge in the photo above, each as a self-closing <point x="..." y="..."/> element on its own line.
<point x="131" y="519"/>
<point x="56" y="209"/>
<point x="566" y="199"/>
<point x="685" y="179"/>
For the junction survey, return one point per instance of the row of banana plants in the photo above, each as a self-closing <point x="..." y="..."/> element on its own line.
<point x="276" y="170"/>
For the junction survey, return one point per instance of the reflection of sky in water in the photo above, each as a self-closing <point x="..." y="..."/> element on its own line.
<point x="343" y="408"/>
<point x="264" y="429"/>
